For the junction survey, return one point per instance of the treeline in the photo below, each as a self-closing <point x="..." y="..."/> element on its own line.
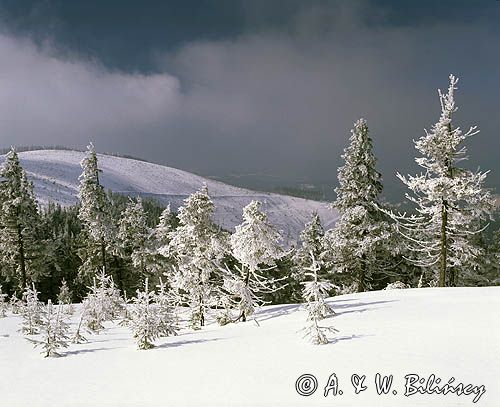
<point x="443" y="242"/>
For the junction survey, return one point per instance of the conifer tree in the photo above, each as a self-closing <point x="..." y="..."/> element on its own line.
<point x="311" y="241"/>
<point x="54" y="331"/>
<point x="150" y="317"/>
<point x="196" y="244"/>
<point x="451" y="201"/>
<point x="254" y="244"/>
<point x="95" y="216"/>
<point x="31" y="311"/>
<point x="360" y="236"/>
<point x="21" y="248"/>
<point x="133" y="238"/>
<point x="314" y="294"/>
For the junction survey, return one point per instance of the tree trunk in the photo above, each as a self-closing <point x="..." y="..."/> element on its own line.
<point x="202" y="316"/>
<point x="444" y="245"/>
<point x="247" y="279"/>
<point x="362" y="275"/>
<point x="453" y="277"/>
<point x="103" y="254"/>
<point x="22" y="256"/>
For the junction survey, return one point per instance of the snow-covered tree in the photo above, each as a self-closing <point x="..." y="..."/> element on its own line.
<point x="31" y="311"/>
<point x="64" y="297"/>
<point x="167" y="319"/>
<point x="15" y="304"/>
<point x="312" y="241"/>
<point x="314" y="294"/>
<point x="53" y="330"/>
<point x="103" y="302"/>
<point x="254" y="244"/>
<point x="149" y="319"/>
<point x="196" y="244"/>
<point x="134" y="242"/>
<point x="95" y="216"/>
<point x="4" y="304"/>
<point x="452" y="203"/>
<point x="21" y="248"/>
<point x="359" y="240"/>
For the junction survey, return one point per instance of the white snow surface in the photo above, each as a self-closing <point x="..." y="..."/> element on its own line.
<point x="449" y="332"/>
<point x="55" y="176"/>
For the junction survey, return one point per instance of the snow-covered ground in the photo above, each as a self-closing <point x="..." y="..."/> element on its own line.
<point x="450" y="332"/>
<point x="55" y="176"/>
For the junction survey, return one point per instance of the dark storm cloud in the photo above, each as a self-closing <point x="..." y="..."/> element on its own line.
<point x="275" y="95"/>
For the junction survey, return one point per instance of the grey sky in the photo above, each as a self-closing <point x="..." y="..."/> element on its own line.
<point x="248" y="87"/>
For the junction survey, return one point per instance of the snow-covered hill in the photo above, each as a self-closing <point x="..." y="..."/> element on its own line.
<point x="448" y="332"/>
<point x="55" y="176"/>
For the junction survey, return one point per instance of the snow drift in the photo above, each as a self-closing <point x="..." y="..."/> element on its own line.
<point x="448" y="332"/>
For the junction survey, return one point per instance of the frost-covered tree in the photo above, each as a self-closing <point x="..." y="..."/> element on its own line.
<point x="64" y="297"/>
<point x="103" y="302"/>
<point x="4" y="304"/>
<point x="31" y="311"/>
<point x="196" y="244"/>
<point x="314" y="294"/>
<point x="312" y="241"/>
<point x="133" y="241"/>
<point x="95" y="216"/>
<point x="359" y="240"/>
<point x="167" y="318"/>
<point x="452" y="202"/>
<point x="254" y="244"/>
<point x="150" y="319"/>
<point x="21" y="247"/>
<point x="53" y="330"/>
<point x="15" y="304"/>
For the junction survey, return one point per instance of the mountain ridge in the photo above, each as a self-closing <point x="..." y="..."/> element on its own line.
<point x="55" y="177"/>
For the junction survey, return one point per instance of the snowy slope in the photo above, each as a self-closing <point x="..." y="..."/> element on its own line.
<point x="55" y="175"/>
<point x="450" y="332"/>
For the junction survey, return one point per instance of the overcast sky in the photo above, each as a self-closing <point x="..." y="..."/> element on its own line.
<point x="248" y="87"/>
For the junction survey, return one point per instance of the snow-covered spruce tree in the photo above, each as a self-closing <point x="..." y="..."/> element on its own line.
<point x="103" y="302"/>
<point x="314" y="294"/>
<point x="167" y="318"/>
<point x="53" y="330"/>
<point x="95" y="216"/>
<point x="31" y="311"/>
<point x="133" y="244"/>
<point x="359" y="240"/>
<point x="255" y="243"/>
<point x="312" y="241"/>
<point x="4" y="304"/>
<point x="451" y="201"/>
<point x="64" y="297"/>
<point x="196" y="244"/>
<point x="162" y="257"/>
<point x="21" y="248"/>
<point x="144" y="318"/>
<point x="15" y="304"/>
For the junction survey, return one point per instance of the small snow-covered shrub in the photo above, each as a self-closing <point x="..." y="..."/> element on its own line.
<point x="397" y="285"/>
<point x="53" y="329"/>
<point x="31" y="311"/>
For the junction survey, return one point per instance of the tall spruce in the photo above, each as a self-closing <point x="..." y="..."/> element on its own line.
<point x="452" y="203"/>
<point x="21" y="246"/>
<point x="133" y="241"/>
<point x="95" y="216"/>
<point x="357" y="241"/>
<point x="195" y="244"/>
